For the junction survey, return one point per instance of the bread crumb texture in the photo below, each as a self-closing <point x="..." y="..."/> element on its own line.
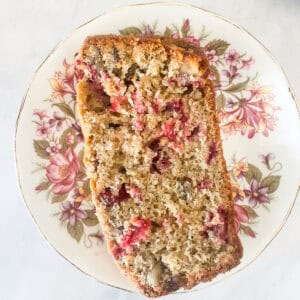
<point x="154" y="155"/>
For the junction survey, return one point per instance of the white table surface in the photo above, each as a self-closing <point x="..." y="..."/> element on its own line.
<point x="29" y="267"/>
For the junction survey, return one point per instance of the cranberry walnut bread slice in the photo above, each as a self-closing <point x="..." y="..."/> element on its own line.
<point x="154" y="155"/>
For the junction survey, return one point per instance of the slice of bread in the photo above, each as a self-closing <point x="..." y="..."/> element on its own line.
<point x="154" y="155"/>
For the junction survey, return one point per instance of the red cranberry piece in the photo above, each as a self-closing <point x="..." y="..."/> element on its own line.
<point x="194" y="132"/>
<point x="117" y="251"/>
<point x="197" y="83"/>
<point x="175" y="105"/>
<point x="220" y="230"/>
<point x="153" y="169"/>
<point x="222" y="214"/>
<point x="117" y="101"/>
<point x="135" y="192"/>
<point x="155" y="107"/>
<point x="169" y="130"/>
<point x="172" y="285"/>
<point x="172" y="80"/>
<point x="108" y="198"/>
<point x="212" y="152"/>
<point x="96" y="86"/>
<point x="160" y="163"/>
<point x="178" y="106"/>
<point x="123" y="195"/>
<point x="138" y="233"/>
<point x="204" y="184"/>
<point x="163" y="162"/>
<point x="210" y="216"/>
<point x="154" y="144"/>
<point x="137" y="103"/>
<point x="204" y="234"/>
<point x="138" y="125"/>
<point x="178" y="147"/>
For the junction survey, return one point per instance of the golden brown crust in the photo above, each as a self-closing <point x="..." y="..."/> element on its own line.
<point x="195" y="55"/>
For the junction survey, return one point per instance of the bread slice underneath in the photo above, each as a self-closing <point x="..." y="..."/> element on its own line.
<point x="154" y="156"/>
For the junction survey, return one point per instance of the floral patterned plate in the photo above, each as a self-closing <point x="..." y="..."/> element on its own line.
<point x="258" y="119"/>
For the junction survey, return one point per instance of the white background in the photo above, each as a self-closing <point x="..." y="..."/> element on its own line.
<point x="29" y="267"/>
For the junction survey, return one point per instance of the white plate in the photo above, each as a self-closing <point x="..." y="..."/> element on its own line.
<point x="258" y="117"/>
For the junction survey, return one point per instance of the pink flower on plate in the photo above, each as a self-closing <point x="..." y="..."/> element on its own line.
<point x="232" y="73"/>
<point x="148" y="30"/>
<point x="240" y="216"/>
<point x="191" y="39"/>
<point x="78" y="70"/>
<point x="212" y="56"/>
<point x="62" y="171"/>
<point x="58" y="86"/>
<point x="69" y="139"/>
<point x="77" y="128"/>
<point x="232" y="126"/>
<point x="237" y="193"/>
<point x="69" y="71"/>
<point x="212" y="76"/>
<point x="79" y="195"/>
<point x="72" y="213"/>
<point x="56" y="120"/>
<point x="53" y="148"/>
<point x="43" y="129"/>
<point x="69" y="75"/>
<point x="186" y="24"/>
<point x="252" y="113"/>
<point x="232" y="58"/>
<point x="257" y="194"/>
<point x="240" y="169"/>
<point x="40" y="113"/>
<point x="175" y="35"/>
<point x="246" y="63"/>
<point x="98" y="236"/>
<point x="261" y="93"/>
<point x="266" y="158"/>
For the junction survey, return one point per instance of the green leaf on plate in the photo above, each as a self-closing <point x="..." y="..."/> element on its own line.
<point x="250" y="211"/>
<point x="168" y="32"/>
<point x="80" y="155"/>
<point x="82" y="166"/>
<point x="91" y="219"/>
<point x="75" y="231"/>
<point x="220" y="102"/>
<point x="248" y="231"/>
<point x="59" y="198"/>
<point x="253" y="173"/>
<point x="219" y="46"/>
<point x="130" y="30"/>
<point x="62" y="139"/>
<point x="86" y="187"/>
<point x="185" y="28"/>
<point x="40" y="148"/>
<point x="238" y="87"/>
<point x="43" y="186"/>
<point x="215" y="71"/>
<point x="271" y="182"/>
<point x="65" y="108"/>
